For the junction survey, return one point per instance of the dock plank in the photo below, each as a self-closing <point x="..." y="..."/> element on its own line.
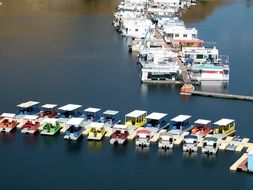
<point x="238" y="162"/>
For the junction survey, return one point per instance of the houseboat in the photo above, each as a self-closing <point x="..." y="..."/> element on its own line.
<point x="120" y="134"/>
<point x="28" y="108"/>
<point x="68" y="111"/>
<point x="31" y="124"/>
<point x="180" y="124"/>
<point x="201" y="127"/>
<point x="156" y="121"/>
<point x="224" y="127"/>
<point x="110" y="118"/>
<point x="8" y="122"/>
<point x="92" y="114"/>
<point x="142" y="138"/>
<point x="96" y="132"/>
<point x="136" y="118"/>
<point x="210" y="145"/>
<point x="50" y="126"/>
<point x="190" y="143"/>
<point x="48" y="110"/>
<point x="165" y="140"/>
<point x="75" y="129"/>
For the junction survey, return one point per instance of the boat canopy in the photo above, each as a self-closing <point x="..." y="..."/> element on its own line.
<point x="181" y="118"/>
<point x="28" y="104"/>
<point x="111" y="112"/>
<point x="120" y="126"/>
<point x="202" y="122"/>
<point x="136" y="113"/>
<point x="156" y="116"/>
<point x="92" y="110"/>
<point x="96" y="125"/>
<point x="49" y="106"/>
<point x="190" y="137"/>
<point x="50" y="120"/>
<point x="210" y="138"/>
<point x="31" y="117"/>
<point x="166" y="134"/>
<point x="8" y="115"/>
<point x="70" y="107"/>
<point x="143" y="131"/>
<point x="224" y="122"/>
<point x="75" y="121"/>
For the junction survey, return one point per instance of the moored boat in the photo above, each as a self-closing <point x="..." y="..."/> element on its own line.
<point x="48" y="110"/>
<point x="224" y="127"/>
<point x="180" y="124"/>
<point x="96" y="132"/>
<point x="210" y="145"/>
<point x="31" y="124"/>
<point x="190" y="143"/>
<point x="165" y="140"/>
<point x="8" y="122"/>
<point x="75" y="129"/>
<point x="119" y="136"/>
<point x="136" y="118"/>
<point x="110" y="118"/>
<point x="201" y="127"/>
<point x="142" y="138"/>
<point x="50" y="126"/>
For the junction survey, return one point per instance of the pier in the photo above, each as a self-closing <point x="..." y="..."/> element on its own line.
<point x="221" y="95"/>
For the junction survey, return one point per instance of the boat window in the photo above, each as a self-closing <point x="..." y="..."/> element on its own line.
<point x="176" y="35"/>
<point x="136" y="30"/>
<point x="185" y="35"/>
<point x="200" y="56"/>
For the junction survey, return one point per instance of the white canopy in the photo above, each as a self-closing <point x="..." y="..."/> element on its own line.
<point x="202" y="121"/>
<point x="50" y="120"/>
<point x="92" y="110"/>
<point x="49" y="106"/>
<point x="31" y="117"/>
<point x="111" y="112"/>
<point x="96" y="125"/>
<point x="136" y="113"/>
<point x="70" y="107"/>
<point x="224" y="122"/>
<point x="75" y="121"/>
<point x="181" y="118"/>
<point x="120" y="126"/>
<point x="8" y="115"/>
<point x="28" y="104"/>
<point x="156" y="116"/>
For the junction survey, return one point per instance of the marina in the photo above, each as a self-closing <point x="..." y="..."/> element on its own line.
<point x="63" y="52"/>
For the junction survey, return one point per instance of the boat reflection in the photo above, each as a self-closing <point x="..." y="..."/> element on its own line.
<point x="95" y="145"/>
<point x="213" y="86"/>
<point x="190" y="155"/>
<point x="164" y="153"/>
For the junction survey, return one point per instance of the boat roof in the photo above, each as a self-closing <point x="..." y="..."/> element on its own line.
<point x="208" y="66"/>
<point x="210" y="138"/>
<point x="110" y="112"/>
<point x="224" y="121"/>
<point x="190" y="136"/>
<point x="92" y="110"/>
<point x="143" y="131"/>
<point x="8" y="115"/>
<point x="28" y="104"/>
<point x="75" y="121"/>
<point x="120" y="126"/>
<point x="181" y="118"/>
<point x="31" y="117"/>
<point x="202" y="121"/>
<point x="166" y="134"/>
<point x="156" y="116"/>
<point x="96" y="125"/>
<point x="70" y="107"/>
<point x="50" y="120"/>
<point x="49" y="106"/>
<point x="136" y="113"/>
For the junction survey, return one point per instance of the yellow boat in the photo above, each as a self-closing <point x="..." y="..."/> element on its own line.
<point x="136" y="118"/>
<point x="224" y="127"/>
<point x="97" y="131"/>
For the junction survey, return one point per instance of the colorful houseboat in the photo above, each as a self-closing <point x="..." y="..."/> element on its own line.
<point x="156" y="121"/>
<point x="68" y="111"/>
<point x="110" y="118"/>
<point x="97" y="131"/>
<point x="201" y="127"/>
<point x="48" y="110"/>
<point x="136" y="118"/>
<point x="224" y="127"/>
<point x="190" y="143"/>
<point x="142" y="138"/>
<point x="165" y="141"/>
<point x="75" y="129"/>
<point x="50" y="126"/>
<point x="92" y="114"/>
<point x="180" y="124"/>
<point x="120" y="134"/>
<point x="210" y="145"/>
<point x="31" y="124"/>
<point x="8" y="122"/>
<point x="28" y="108"/>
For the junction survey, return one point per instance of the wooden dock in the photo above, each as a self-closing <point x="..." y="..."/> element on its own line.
<point x="156" y="136"/>
<point x="238" y="164"/>
<point x="222" y="95"/>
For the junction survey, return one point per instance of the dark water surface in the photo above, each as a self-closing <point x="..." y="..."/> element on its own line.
<point x="62" y="51"/>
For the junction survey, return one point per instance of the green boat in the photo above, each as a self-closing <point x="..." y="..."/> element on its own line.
<point x="51" y="127"/>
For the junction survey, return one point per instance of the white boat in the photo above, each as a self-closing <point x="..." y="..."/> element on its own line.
<point x="165" y="141"/>
<point x="142" y="138"/>
<point x="75" y="129"/>
<point x="119" y="136"/>
<point x="210" y="145"/>
<point x="190" y="143"/>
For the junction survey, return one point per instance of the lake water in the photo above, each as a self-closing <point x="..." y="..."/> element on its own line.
<point x="62" y="51"/>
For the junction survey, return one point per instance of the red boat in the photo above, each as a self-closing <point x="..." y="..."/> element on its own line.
<point x="31" y="125"/>
<point x="120" y="134"/>
<point x="201" y="127"/>
<point x="48" y="110"/>
<point x="8" y="122"/>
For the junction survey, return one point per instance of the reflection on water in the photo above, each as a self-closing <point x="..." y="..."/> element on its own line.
<point x="189" y="155"/>
<point x="213" y="86"/>
<point x="7" y="138"/>
<point x="75" y="146"/>
<point x="31" y="139"/>
<point x="142" y="151"/>
<point x="95" y="145"/>
<point x="164" y="153"/>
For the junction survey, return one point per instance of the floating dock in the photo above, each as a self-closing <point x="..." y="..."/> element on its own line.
<point x="240" y="163"/>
